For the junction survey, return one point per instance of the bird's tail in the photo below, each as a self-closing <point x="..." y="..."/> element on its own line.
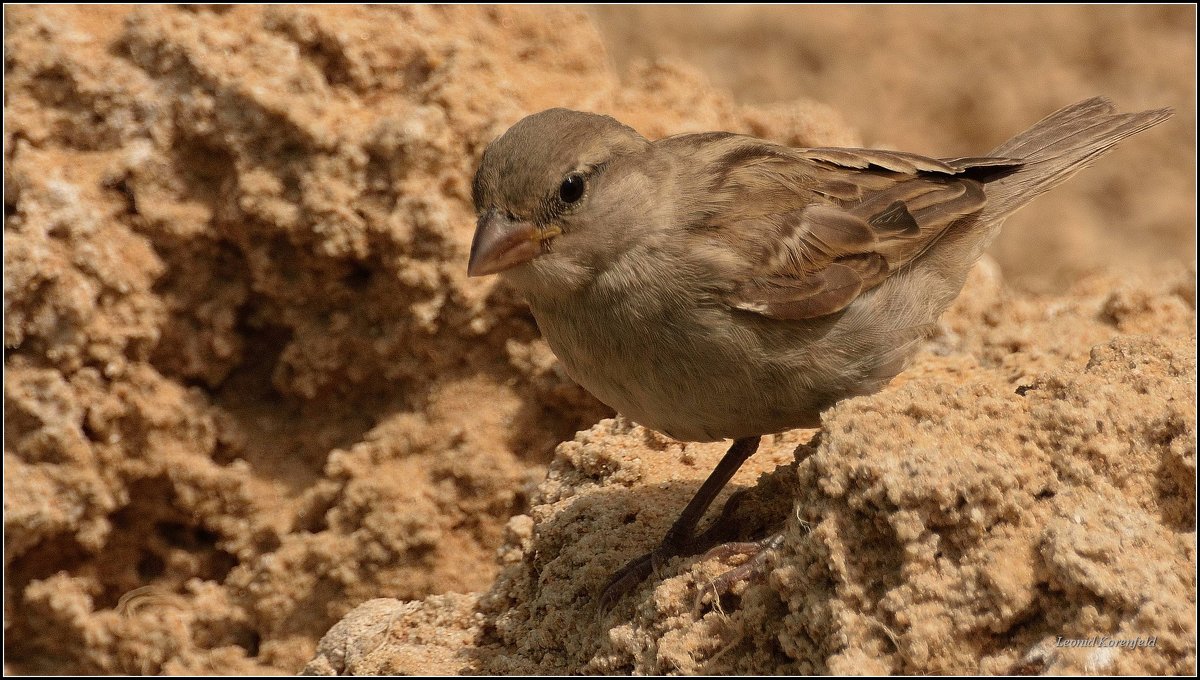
<point x="1043" y="157"/>
<point x="1059" y="146"/>
<point x="1013" y="174"/>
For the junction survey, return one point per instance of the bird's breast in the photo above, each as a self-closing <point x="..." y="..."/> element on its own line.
<point x="675" y="361"/>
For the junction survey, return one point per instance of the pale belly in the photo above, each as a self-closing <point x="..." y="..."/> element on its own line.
<point x="686" y="382"/>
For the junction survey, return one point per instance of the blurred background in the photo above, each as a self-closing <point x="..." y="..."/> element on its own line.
<point x="959" y="80"/>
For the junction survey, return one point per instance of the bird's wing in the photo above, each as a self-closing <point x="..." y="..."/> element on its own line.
<point x="831" y="223"/>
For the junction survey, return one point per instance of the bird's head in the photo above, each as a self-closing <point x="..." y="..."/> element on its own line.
<point x="552" y="195"/>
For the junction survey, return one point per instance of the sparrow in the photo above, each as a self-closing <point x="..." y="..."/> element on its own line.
<point x="717" y="286"/>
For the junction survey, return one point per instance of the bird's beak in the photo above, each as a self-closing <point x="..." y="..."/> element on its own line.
<point x="502" y="243"/>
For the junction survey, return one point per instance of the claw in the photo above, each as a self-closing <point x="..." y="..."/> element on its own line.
<point x="626" y="579"/>
<point x="681" y="538"/>
<point x="750" y="570"/>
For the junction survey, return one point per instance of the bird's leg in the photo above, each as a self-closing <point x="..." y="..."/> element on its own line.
<point x="681" y="538"/>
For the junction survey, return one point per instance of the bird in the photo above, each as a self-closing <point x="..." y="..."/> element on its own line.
<point x="716" y="286"/>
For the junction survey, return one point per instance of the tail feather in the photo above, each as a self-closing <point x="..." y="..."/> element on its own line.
<point x="1031" y="164"/>
<point x="1059" y="146"/>
<point x="1014" y="173"/>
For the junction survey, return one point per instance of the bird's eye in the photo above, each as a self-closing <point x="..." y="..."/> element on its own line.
<point x="571" y="189"/>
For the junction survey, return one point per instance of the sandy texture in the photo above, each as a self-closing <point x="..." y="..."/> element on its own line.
<point x="245" y="369"/>
<point x="960" y="521"/>
<point x="249" y="388"/>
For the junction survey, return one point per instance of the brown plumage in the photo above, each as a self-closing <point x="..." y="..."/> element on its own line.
<point x="717" y="286"/>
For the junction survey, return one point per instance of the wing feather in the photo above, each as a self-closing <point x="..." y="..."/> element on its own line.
<point x="833" y="223"/>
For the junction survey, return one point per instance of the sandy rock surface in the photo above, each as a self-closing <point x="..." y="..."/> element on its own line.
<point x="960" y="521"/>
<point x="257" y="420"/>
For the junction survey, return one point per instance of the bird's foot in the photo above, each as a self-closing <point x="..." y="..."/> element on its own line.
<point x="681" y="538"/>
<point x="753" y="569"/>
<point x="629" y="576"/>
<point x="637" y="570"/>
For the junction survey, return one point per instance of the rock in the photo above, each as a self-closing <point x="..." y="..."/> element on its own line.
<point x="250" y="392"/>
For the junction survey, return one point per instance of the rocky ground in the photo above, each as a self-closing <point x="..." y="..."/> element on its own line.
<point x="250" y="394"/>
